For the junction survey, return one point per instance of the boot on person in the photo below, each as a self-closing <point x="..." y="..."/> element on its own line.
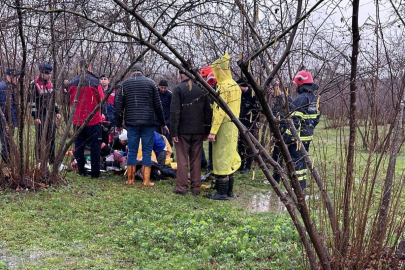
<point x="146" y="170"/>
<point x="230" y="186"/>
<point x="131" y="175"/>
<point x="221" y="186"/>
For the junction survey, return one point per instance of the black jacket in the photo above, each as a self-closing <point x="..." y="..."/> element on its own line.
<point x="278" y="110"/>
<point x="190" y="111"/>
<point x="166" y="99"/>
<point x="40" y="97"/>
<point x="249" y="109"/>
<point x="304" y="111"/>
<point x="8" y="93"/>
<point x="138" y="103"/>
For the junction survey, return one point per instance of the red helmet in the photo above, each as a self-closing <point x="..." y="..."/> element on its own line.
<point x="303" y="77"/>
<point x="211" y="79"/>
<point x="205" y="71"/>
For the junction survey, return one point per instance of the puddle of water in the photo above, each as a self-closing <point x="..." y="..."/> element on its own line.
<point x="266" y="203"/>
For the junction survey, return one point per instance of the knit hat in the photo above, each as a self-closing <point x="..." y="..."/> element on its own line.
<point x="303" y="77"/>
<point x="163" y="83"/>
<point x="123" y="136"/>
<point x="242" y="82"/>
<point x="137" y="67"/>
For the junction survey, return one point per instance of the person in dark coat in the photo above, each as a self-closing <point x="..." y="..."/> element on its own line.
<point x="139" y="104"/>
<point x="42" y="102"/>
<point x="165" y="96"/>
<point x="278" y="109"/>
<point x="89" y="98"/>
<point x="249" y="110"/>
<point x="305" y="114"/>
<point x="108" y="107"/>
<point x="190" y="119"/>
<point x="8" y="117"/>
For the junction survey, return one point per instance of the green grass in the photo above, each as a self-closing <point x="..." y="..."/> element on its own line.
<point x="103" y="224"/>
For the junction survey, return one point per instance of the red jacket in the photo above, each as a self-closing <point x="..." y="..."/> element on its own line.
<point x="110" y="99"/>
<point x="89" y="98"/>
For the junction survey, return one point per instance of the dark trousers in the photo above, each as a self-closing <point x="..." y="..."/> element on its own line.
<point x="161" y="157"/>
<point x="189" y="148"/>
<point x="90" y="135"/>
<point x="48" y="141"/>
<point x="299" y="163"/>
<point x="204" y="161"/>
<point x="5" y="143"/>
<point x="245" y="153"/>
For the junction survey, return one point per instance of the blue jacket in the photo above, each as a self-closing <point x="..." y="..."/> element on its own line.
<point x="6" y="89"/>
<point x="305" y="113"/>
<point x="159" y="143"/>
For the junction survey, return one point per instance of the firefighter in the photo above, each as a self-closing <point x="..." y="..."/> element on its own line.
<point x="305" y="116"/>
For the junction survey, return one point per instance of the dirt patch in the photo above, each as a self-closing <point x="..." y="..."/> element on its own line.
<point x="9" y="260"/>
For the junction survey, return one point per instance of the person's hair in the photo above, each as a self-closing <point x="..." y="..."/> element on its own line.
<point x="83" y="64"/>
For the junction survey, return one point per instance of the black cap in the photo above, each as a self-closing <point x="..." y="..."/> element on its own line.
<point x="163" y="83"/>
<point x="45" y="68"/>
<point x="104" y="75"/>
<point x="242" y="82"/>
<point x="12" y="72"/>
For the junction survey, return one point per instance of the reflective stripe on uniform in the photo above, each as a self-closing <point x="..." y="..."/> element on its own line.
<point x="310" y="116"/>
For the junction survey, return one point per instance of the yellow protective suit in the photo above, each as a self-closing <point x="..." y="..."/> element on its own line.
<point x="225" y="157"/>
<point x="153" y="156"/>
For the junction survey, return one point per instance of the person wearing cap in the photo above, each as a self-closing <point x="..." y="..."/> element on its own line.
<point x="41" y="100"/>
<point x="249" y="111"/>
<point x="224" y="133"/>
<point x="90" y="97"/>
<point x="190" y="116"/>
<point x="165" y="96"/>
<point x="108" y="107"/>
<point x="8" y="117"/>
<point x="138" y="103"/>
<point x="305" y="115"/>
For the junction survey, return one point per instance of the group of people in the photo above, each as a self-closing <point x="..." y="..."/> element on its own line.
<point x="154" y="118"/>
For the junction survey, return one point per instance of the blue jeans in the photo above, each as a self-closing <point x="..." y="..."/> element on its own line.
<point x="148" y="138"/>
<point x="90" y="135"/>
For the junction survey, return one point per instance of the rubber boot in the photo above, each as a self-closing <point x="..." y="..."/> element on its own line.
<point x="230" y="186"/>
<point x="131" y="175"/>
<point x="222" y="189"/>
<point x="146" y="176"/>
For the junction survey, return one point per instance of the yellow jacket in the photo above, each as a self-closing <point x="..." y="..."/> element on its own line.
<point x="226" y="159"/>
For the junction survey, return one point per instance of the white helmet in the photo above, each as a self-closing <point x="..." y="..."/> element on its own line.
<point x="123" y="136"/>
